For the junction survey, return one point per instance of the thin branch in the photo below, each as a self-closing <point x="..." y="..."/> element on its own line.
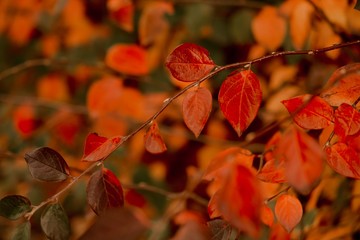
<point x="25" y="65"/>
<point x="235" y="3"/>
<point x="277" y="194"/>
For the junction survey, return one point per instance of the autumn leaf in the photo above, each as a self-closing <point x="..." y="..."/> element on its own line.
<point x="273" y="171"/>
<point x="24" y="120"/>
<point x="154" y="143"/>
<point x="301" y="23"/>
<point x="189" y="62"/>
<point x="104" y="191"/>
<point x="267" y="215"/>
<point x="303" y="159"/>
<point x="288" y="211"/>
<point x="344" y="160"/>
<point x="122" y="12"/>
<point x="97" y="147"/>
<point x="269" y="28"/>
<point x="239" y="97"/>
<point x="347" y="120"/>
<point x="310" y="112"/>
<point x="347" y="90"/>
<point x="128" y="59"/>
<point x="196" y="108"/>
<point x="46" y="164"/>
<point x="22" y="231"/>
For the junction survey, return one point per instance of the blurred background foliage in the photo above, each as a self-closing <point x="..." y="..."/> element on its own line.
<point x="52" y="55"/>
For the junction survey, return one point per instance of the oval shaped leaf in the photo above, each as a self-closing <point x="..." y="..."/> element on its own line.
<point x="22" y="232"/>
<point x="267" y="215"/>
<point x="347" y="120"/>
<point x="239" y="97"/>
<point x="127" y="58"/>
<point x="273" y="171"/>
<point x="288" y="211"/>
<point x="303" y="159"/>
<point x="55" y="223"/>
<point x="97" y="148"/>
<point x="196" y="108"/>
<point x="309" y="112"/>
<point x="189" y="62"/>
<point x="344" y="160"/>
<point x="154" y="143"/>
<point x="14" y="206"/>
<point x="46" y="164"/>
<point x="104" y="191"/>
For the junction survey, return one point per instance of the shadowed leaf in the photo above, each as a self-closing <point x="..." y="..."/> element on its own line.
<point x="14" y="206"/>
<point x="55" y="223"/>
<point x="239" y="98"/>
<point x="104" y="191"/>
<point x="22" y="232"/>
<point x="196" y="108"/>
<point x="189" y="62"/>
<point x="46" y="164"/>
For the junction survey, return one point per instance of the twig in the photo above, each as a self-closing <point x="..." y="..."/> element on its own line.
<point x="277" y="194"/>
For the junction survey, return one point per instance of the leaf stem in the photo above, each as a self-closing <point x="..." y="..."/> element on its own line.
<point x="277" y="194"/>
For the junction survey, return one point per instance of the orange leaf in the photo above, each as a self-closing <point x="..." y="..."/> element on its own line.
<point x="239" y="97"/>
<point x="344" y="160"/>
<point x="128" y="59"/>
<point x="47" y="84"/>
<point x="24" y="120"/>
<point x="267" y="216"/>
<point x="122" y="11"/>
<point x="303" y="160"/>
<point x="288" y="211"/>
<point x="301" y="23"/>
<point x="309" y="112"/>
<point x="189" y="62"/>
<point x="269" y="28"/>
<point x="239" y="200"/>
<point x="196" y="109"/>
<point x="347" y="120"/>
<point x="154" y="143"/>
<point x="347" y="89"/>
<point x="273" y="171"/>
<point x="98" y="148"/>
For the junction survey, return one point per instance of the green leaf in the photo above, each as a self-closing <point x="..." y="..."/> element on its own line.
<point x="55" y="223"/>
<point x="46" y="164"/>
<point x="22" y="232"/>
<point x="14" y="206"/>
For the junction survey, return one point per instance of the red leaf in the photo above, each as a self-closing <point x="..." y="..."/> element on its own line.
<point x="309" y="112"/>
<point x="189" y="62"/>
<point x="347" y="120"/>
<point x="288" y="211"/>
<point x="97" y="148"/>
<point x="127" y="58"/>
<point x="344" y="160"/>
<point x="346" y="91"/>
<point x="239" y="98"/>
<point x="196" y="109"/>
<point x="154" y="143"/>
<point x="104" y="191"/>
<point x="239" y="200"/>
<point x="303" y="160"/>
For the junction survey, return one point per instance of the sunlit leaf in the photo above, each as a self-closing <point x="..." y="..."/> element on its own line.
<point x="239" y="97"/>
<point x="14" y="206"/>
<point x="154" y="143"/>
<point x="288" y="211"/>
<point x="301" y="23"/>
<point x="347" y="120"/>
<point x="55" y="223"/>
<point x="309" y="112"/>
<point x="269" y="28"/>
<point x="344" y="160"/>
<point x="118" y="223"/>
<point x="104" y="191"/>
<point x="189" y="62"/>
<point x="267" y="215"/>
<point x="46" y="164"/>
<point x="303" y="159"/>
<point x="273" y="171"/>
<point x="128" y="59"/>
<point x="196" y="108"/>
<point x="22" y="232"/>
<point x="346" y="90"/>
<point x="97" y="148"/>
